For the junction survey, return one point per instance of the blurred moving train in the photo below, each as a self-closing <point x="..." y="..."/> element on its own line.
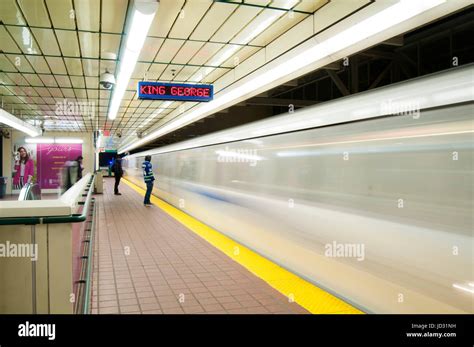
<point x="369" y="197"/>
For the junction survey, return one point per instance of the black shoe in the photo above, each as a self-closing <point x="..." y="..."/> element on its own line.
<point x="117" y="193"/>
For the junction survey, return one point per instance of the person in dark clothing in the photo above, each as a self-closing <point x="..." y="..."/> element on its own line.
<point x="80" y="168"/>
<point x="118" y="173"/>
<point x="149" y="179"/>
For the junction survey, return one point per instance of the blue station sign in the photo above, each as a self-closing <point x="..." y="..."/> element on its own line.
<point x="175" y="91"/>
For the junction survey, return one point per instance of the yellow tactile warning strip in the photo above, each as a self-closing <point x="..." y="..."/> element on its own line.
<point x="306" y="294"/>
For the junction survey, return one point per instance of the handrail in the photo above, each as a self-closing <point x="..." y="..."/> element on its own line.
<point x="86" y="308"/>
<point x="73" y="218"/>
<point x="29" y="189"/>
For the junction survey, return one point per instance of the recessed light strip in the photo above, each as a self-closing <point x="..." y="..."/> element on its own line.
<point x="18" y="124"/>
<point x="142" y="16"/>
<point x="58" y="140"/>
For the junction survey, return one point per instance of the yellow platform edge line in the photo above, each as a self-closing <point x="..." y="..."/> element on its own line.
<point x="304" y="293"/>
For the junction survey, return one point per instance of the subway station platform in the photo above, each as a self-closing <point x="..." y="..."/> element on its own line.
<point x="145" y="261"/>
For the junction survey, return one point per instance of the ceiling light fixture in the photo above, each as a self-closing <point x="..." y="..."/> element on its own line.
<point x="40" y="140"/>
<point x="64" y="140"/>
<point x="18" y="124"/>
<point x="141" y="17"/>
<point x="68" y="141"/>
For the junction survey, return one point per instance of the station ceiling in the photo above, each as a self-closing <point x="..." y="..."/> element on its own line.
<point x="53" y="52"/>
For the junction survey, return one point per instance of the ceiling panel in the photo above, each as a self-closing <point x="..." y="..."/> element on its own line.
<point x="80" y="93"/>
<point x="278" y="28"/>
<point x="310" y="5"/>
<point x="7" y="44"/>
<point x="187" y="51"/>
<point x="92" y="82"/>
<point x="205" y="53"/>
<point x="46" y="41"/>
<point x="10" y="13"/>
<point x="56" y="92"/>
<point x="167" y="74"/>
<point x="35" y="12"/>
<point x="136" y="104"/>
<point x="168" y="50"/>
<point x="5" y="64"/>
<point x="38" y="63"/>
<point x="57" y="65"/>
<point x="155" y="71"/>
<point x="104" y="95"/>
<point x="92" y="94"/>
<point x="89" y="43"/>
<point x="29" y="91"/>
<point x="62" y="14"/>
<point x="48" y="80"/>
<point x="128" y="95"/>
<point x="140" y="70"/>
<point x="18" y="79"/>
<point x="186" y="73"/>
<point x="150" y="48"/>
<point x="35" y="100"/>
<point x="73" y="66"/>
<point x="113" y="24"/>
<point x="87" y="14"/>
<point x="109" y="44"/>
<point x="90" y="67"/>
<point x="260" y="2"/>
<point x="68" y="93"/>
<point x="240" y="56"/>
<point x="262" y="21"/>
<point x="238" y="20"/>
<point x="63" y="81"/>
<point x="214" y="75"/>
<point x="68" y="43"/>
<point x="77" y="82"/>
<point x="213" y="19"/>
<point x="164" y="19"/>
<point x="23" y="39"/>
<point x="42" y="91"/>
<point x="132" y="84"/>
<point x="188" y="18"/>
<point x="17" y="62"/>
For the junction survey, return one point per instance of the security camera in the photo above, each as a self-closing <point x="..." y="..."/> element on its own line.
<point x="119" y="134"/>
<point x="5" y="133"/>
<point x="107" y="80"/>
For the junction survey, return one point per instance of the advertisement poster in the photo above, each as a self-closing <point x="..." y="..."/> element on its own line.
<point x="52" y="159"/>
<point x="24" y="165"/>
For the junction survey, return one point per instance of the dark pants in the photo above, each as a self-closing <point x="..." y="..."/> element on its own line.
<point x="117" y="182"/>
<point x="149" y="189"/>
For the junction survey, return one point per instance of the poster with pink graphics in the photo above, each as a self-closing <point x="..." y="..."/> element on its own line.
<point x="50" y="161"/>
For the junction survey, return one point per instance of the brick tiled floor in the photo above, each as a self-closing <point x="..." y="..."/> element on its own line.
<point x="147" y="262"/>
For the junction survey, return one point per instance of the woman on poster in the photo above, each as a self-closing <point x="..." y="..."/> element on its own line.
<point x="24" y="169"/>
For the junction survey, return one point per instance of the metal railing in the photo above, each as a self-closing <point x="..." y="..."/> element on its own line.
<point x="87" y="214"/>
<point x="73" y="218"/>
<point x="84" y="282"/>
<point x="30" y="191"/>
